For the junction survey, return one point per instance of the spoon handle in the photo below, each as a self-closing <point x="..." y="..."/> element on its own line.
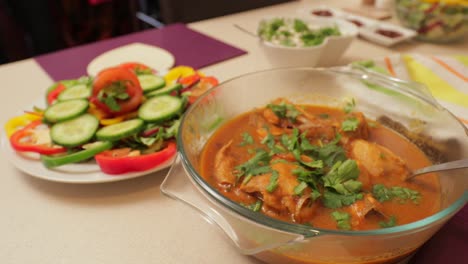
<point x="452" y="165"/>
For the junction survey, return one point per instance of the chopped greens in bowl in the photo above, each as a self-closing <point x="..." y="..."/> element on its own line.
<point x="294" y="32"/>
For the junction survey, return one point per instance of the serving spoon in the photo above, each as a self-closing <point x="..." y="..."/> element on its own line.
<point x="452" y="165"/>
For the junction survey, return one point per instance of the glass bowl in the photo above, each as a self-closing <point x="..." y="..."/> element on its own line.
<point x="407" y="104"/>
<point x="440" y="21"/>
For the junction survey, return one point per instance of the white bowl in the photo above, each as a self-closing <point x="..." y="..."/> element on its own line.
<point x="326" y="54"/>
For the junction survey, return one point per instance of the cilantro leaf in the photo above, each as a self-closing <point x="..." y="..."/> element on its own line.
<point x="284" y="110"/>
<point x="300" y="26"/>
<point x="350" y="124"/>
<point x="273" y="181"/>
<point x="390" y="223"/>
<point x="342" y="177"/>
<point x="349" y="107"/>
<point x="299" y="189"/>
<point x="343" y="220"/>
<point x="335" y="200"/>
<point x="257" y="206"/>
<point x="251" y="167"/>
<point x="247" y="139"/>
<point x="382" y="193"/>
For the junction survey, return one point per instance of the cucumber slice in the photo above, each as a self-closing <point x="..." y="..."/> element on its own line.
<point x="79" y="91"/>
<point x="74" y="132"/>
<point x="65" y="110"/>
<point x="150" y="82"/>
<point x="120" y="130"/>
<point x="166" y="90"/>
<point x="160" y="108"/>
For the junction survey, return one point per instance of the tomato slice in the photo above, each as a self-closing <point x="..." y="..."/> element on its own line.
<point x="116" y="91"/>
<point x="138" y="68"/>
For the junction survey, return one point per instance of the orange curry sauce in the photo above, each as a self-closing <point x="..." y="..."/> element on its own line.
<point x="382" y="156"/>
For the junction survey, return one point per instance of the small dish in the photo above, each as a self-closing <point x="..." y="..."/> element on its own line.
<point x="370" y="29"/>
<point x="327" y="53"/>
<point x="386" y="34"/>
<point x="154" y="57"/>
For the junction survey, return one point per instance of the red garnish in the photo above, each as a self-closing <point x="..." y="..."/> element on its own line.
<point x="389" y="33"/>
<point x="322" y="13"/>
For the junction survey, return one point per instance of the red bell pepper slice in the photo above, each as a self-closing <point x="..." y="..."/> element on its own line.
<point x="24" y="140"/>
<point x="197" y="85"/>
<point x="118" y="161"/>
<point x="53" y="95"/>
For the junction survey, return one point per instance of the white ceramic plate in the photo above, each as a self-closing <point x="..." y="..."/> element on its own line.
<point x="72" y="173"/>
<point x="154" y="57"/>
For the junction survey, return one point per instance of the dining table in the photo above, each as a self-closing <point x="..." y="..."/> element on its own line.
<point x="131" y="221"/>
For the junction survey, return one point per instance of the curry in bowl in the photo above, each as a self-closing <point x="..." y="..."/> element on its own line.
<point x="320" y="166"/>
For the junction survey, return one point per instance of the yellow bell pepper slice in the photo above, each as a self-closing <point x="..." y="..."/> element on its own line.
<point x="18" y="122"/>
<point x="178" y="72"/>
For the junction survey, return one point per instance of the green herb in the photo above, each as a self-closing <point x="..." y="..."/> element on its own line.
<point x="273" y="182"/>
<point x="300" y="26"/>
<point x="247" y="139"/>
<point x="254" y="166"/>
<point x="343" y="220"/>
<point x="331" y="152"/>
<point x="257" y="206"/>
<point x="383" y="194"/>
<point x="335" y="200"/>
<point x="314" y="195"/>
<point x="299" y="189"/>
<point x="316" y="164"/>
<point x="342" y="177"/>
<point x="291" y="142"/>
<point x="390" y="223"/>
<point x="308" y="176"/>
<point x="349" y="107"/>
<point x="350" y="124"/>
<point x="284" y="110"/>
<point x="113" y="92"/>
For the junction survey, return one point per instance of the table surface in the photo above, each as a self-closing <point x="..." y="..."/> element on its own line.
<point x="131" y="221"/>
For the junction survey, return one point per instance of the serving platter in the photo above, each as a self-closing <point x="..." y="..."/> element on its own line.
<point x="82" y="173"/>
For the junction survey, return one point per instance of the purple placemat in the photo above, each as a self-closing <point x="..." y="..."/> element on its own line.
<point x="449" y="245"/>
<point x="189" y="47"/>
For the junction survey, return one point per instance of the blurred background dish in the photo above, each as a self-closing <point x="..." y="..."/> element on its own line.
<point x="154" y="57"/>
<point x="304" y="41"/>
<point x="440" y="21"/>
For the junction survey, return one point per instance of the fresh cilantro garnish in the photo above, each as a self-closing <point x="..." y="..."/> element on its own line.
<point x="335" y="200"/>
<point x="390" y="223"/>
<point x="350" y="124"/>
<point x="291" y="142"/>
<point x="247" y="139"/>
<point x="349" y="107"/>
<point x="254" y="166"/>
<point x="308" y="176"/>
<point x="284" y="110"/>
<point x="332" y="152"/>
<point x="316" y="164"/>
<point x="314" y="195"/>
<point x="257" y="206"/>
<point x="343" y="220"/>
<point x="342" y="177"/>
<point x="271" y="187"/>
<point x="113" y="92"/>
<point x="382" y="193"/>
<point x="299" y="189"/>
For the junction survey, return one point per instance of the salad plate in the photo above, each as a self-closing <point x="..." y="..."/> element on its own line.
<point x="154" y="57"/>
<point x="79" y="173"/>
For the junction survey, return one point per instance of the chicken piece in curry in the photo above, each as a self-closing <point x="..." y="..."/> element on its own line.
<point x="325" y="167"/>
